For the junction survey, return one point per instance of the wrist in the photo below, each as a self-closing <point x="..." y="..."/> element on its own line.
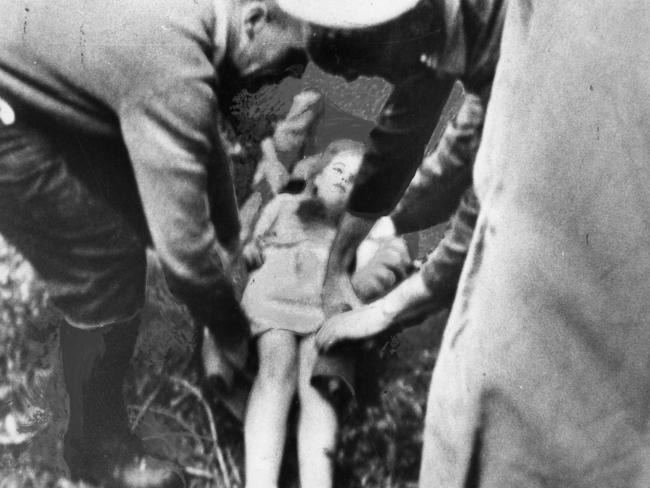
<point x="388" y="308"/>
<point x="399" y="227"/>
<point x="391" y="225"/>
<point x="383" y="228"/>
<point x="411" y="293"/>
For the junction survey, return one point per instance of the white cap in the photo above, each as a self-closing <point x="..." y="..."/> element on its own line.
<point x="346" y="14"/>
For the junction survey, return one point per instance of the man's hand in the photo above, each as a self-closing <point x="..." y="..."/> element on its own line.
<point x="338" y="294"/>
<point x="363" y="322"/>
<point x="234" y="267"/>
<point x="228" y="325"/>
<point x="230" y="254"/>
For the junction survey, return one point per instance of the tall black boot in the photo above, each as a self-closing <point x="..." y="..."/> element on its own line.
<point x="99" y="447"/>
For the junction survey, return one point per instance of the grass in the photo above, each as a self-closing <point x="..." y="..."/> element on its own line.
<point x="380" y="440"/>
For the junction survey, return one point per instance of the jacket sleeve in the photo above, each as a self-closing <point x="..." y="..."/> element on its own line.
<point x="397" y="143"/>
<point x="444" y="175"/>
<point x="170" y="132"/>
<point x="443" y="267"/>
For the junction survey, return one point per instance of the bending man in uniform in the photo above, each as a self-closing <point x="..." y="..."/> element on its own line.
<point x="108" y="138"/>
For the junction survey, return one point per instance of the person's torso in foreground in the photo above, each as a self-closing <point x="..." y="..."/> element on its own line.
<point x="544" y="374"/>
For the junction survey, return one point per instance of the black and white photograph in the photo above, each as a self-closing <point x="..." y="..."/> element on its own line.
<point x="324" y="244"/>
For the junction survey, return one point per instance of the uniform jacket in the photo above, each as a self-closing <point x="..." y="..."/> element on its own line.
<point x="146" y="72"/>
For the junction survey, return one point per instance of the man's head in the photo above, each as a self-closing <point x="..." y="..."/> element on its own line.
<point x="265" y="44"/>
<point x="382" y="38"/>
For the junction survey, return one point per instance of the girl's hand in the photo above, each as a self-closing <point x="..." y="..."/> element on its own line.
<point x="253" y="255"/>
<point x="360" y="323"/>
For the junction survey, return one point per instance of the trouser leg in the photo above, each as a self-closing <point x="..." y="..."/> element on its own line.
<point x="95" y="363"/>
<point x="94" y="266"/>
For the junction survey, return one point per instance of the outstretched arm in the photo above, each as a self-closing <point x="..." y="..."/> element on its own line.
<point x="424" y="293"/>
<point x="443" y="176"/>
<point x="397" y="144"/>
<point x="411" y="300"/>
<point x="168" y="124"/>
<point x="338" y="294"/>
<point x="168" y="130"/>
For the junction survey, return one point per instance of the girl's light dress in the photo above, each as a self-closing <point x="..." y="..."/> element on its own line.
<point x="285" y="292"/>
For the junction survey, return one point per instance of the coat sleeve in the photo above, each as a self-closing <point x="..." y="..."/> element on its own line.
<point x="397" y="143"/>
<point x="436" y="189"/>
<point x="170" y="132"/>
<point x="441" y="272"/>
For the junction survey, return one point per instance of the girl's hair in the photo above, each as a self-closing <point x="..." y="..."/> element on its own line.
<point x="311" y="209"/>
<point x="306" y="170"/>
<point x="336" y="147"/>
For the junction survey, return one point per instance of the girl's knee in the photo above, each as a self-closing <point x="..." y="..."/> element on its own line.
<point x="282" y="373"/>
<point x="278" y="358"/>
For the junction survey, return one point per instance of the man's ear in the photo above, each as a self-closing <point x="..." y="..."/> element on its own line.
<point x="255" y="16"/>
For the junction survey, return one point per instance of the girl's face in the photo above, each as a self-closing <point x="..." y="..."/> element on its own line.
<point x="334" y="183"/>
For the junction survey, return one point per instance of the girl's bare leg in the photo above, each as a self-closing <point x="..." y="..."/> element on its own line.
<point x="317" y="425"/>
<point x="265" y="426"/>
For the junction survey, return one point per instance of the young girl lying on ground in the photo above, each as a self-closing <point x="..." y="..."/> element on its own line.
<point x="290" y="245"/>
